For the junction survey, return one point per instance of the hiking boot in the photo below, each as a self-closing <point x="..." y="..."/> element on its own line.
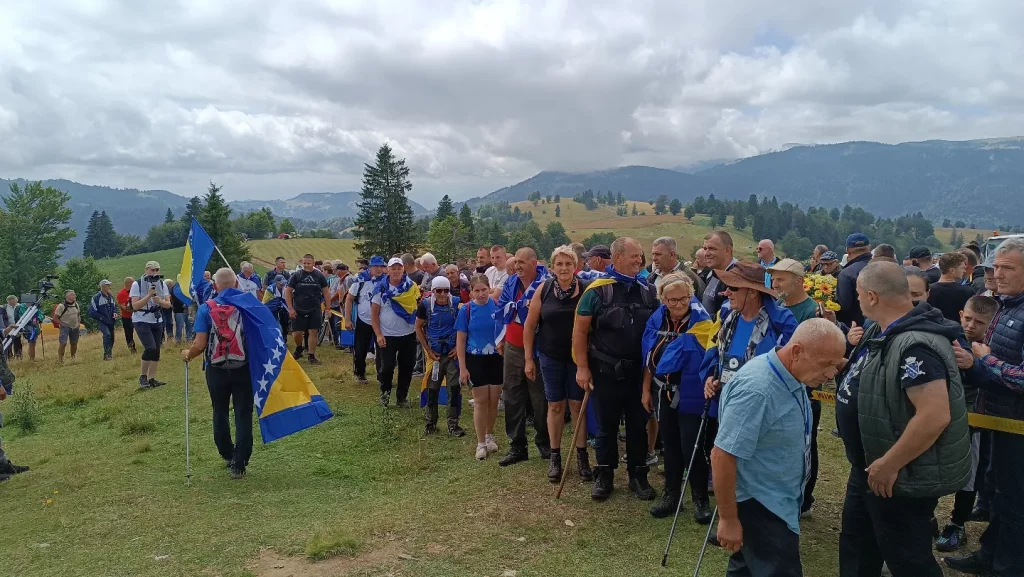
<point x="531" y="422"/>
<point x="429" y="429"/>
<point x="667" y="506"/>
<point x="979" y="514"/>
<point x="555" y="468"/>
<point x="298" y="352"/>
<point x="643" y="490"/>
<point x="156" y="383"/>
<point x="107" y="357"/>
<point x="973" y="563"/>
<point x="9" y="468"/>
<point x="545" y="451"/>
<point x="314" y="361"/>
<point x="403" y="404"/>
<point x="604" y="483"/>
<point x="144" y="383"/>
<point x="385" y="398"/>
<point x="583" y="465"/>
<point x="456" y="431"/>
<point x="237" y="472"/>
<point x="4" y="477"/>
<point x="702" y="511"/>
<point x="951" y="539"/>
<point x="513" y="456"/>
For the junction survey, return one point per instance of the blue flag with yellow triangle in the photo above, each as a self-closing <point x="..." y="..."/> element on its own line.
<point x="286" y="400"/>
<point x="199" y="248"/>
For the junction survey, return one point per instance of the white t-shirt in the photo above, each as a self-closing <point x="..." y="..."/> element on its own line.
<point x="152" y="313"/>
<point x="251" y="286"/>
<point x="496" y="277"/>
<point x="391" y="324"/>
<point x="363" y="306"/>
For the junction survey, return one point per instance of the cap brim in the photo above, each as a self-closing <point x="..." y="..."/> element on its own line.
<point x="734" y="280"/>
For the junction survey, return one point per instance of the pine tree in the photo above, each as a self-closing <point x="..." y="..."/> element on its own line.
<point x="89" y="247"/>
<point x="634" y="213"/>
<point x="739" y="221"/>
<point x="660" y="204"/>
<point x="558" y="198"/>
<point x="216" y="220"/>
<point x="385" y="217"/>
<point x="445" y="208"/>
<point x="675" y="206"/>
<point x="558" y="211"/>
<point x="467" y="230"/>
<point x="194" y="209"/>
<point x="752" y="204"/>
<point x="619" y="199"/>
<point x="169" y="216"/>
<point x="689" y="212"/>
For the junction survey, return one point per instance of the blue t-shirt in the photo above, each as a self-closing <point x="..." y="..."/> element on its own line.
<point x="479" y="326"/>
<point x="204" y="322"/>
<point x="741" y="338"/>
<point x="764" y="420"/>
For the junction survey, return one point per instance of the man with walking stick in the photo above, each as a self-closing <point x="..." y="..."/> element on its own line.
<point x="764" y="431"/>
<point x="218" y="335"/>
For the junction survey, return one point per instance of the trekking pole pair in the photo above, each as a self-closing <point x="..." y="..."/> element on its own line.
<point x="698" y="446"/>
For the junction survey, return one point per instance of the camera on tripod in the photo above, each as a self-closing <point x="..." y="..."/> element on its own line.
<point x="46" y="284"/>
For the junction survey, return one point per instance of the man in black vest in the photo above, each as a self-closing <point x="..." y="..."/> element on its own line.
<point x="606" y="342"/>
<point x="718" y="255"/>
<point x="999" y="371"/>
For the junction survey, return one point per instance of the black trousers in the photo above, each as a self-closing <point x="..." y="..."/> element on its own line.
<point x="809" y="489"/>
<point x="523" y="396"/>
<point x="231" y="386"/>
<point x="616" y="396"/>
<point x="399" y="353"/>
<point x="364" y="342"/>
<point x="15" y="350"/>
<point x="129" y="333"/>
<point x="1001" y="540"/>
<point x="679" y="437"/>
<point x="896" y="531"/>
<point x="282" y="318"/>
<point x="770" y="548"/>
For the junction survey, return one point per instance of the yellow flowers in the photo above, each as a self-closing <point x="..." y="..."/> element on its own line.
<point x="822" y="288"/>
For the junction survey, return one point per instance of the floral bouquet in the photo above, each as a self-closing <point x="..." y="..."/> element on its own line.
<point x="822" y="288"/>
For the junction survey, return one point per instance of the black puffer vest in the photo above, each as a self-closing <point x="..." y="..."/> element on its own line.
<point x="1006" y="338"/>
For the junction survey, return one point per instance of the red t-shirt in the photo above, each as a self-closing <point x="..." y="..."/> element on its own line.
<point x="514" y="330"/>
<point x="125" y="301"/>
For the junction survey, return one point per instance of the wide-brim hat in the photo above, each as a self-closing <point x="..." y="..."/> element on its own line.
<point x="745" y="275"/>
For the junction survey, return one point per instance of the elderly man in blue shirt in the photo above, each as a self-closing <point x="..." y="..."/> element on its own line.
<point x="764" y="430"/>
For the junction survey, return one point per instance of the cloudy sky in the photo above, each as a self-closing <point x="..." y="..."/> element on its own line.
<point x="275" y="98"/>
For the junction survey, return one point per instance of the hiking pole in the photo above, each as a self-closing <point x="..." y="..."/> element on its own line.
<point x="577" y="429"/>
<point x="704" y="547"/>
<point x="686" y="479"/>
<point x="188" y="456"/>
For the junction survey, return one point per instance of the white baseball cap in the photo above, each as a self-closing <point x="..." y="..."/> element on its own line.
<point x="440" y="282"/>
<point x="395" y="260"/>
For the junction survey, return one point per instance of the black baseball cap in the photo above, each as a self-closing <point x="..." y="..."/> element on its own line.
<point x="920" y="252"/>
<point x="599" y="250"/>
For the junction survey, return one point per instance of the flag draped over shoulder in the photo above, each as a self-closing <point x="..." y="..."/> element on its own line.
<point x="512" y="310"/>
<point x="700" y="327"/>
<point x="199" y="248"/>
<point x="286" y="400"/>
<point x="403" y="298"/>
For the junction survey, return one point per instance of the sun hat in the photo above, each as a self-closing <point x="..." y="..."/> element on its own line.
<point x="788" y="265"/>
<point x="377" y="261"/>
<point x="152" y="264"/>
<point x="745" y="275"/>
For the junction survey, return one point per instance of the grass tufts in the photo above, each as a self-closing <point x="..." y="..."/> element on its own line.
<point x="321" y="546"/>
<point x="136" y="425"/>
<point x="142" y="447"/>
<point x="24" y="411"/>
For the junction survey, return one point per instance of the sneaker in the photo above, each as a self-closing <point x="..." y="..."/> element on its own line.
<point x="951" y="539"/>
<point x="702" y="511"/>
<point x="643" y="490"/>
<point x="144" y="383"/>
<point x="604" y="483"/>
<point x="362" y="381"/>
<point x="298" y="352"/>
<point x="237" y="473"/>
<point x="555" y="468"/>
<point x="314" y="361"/>
<point x="385" y="398"/>
<point x="979" y="514"/>
<point x="429" y="429"/>
<point x="156" y="383"/>
<point x="491" y="444"/>
<point x="652" y="459"/>
<point x="835" y="433"/>
<point x="667" y="505"/>
<point x="456" y="431"/>
<point x="973" y="563"/>
<point x="583" y="465"/>
<point x="512" y="457"/>
<point x="403" y="404"/>
<point x="481" y="452"/>
<point x="371" y="357"/>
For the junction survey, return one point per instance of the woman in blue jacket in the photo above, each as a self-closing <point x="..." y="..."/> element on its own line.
<point x="673" y="348"/>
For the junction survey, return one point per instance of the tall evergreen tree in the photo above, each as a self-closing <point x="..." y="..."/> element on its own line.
<point x="558" y="211"/>
<point x="89" y="247"/>
<point x="101" y="240"/>
<point x="216" y="220"/>
<point x="385" y="217"/>
<point x="33" y="234"/>
<point x="446" y="208"/>
<point x="468" y="227"/>
<point x="558" y="198"/>
<point x="169" y="216"/>
<point x="194" y="209"/>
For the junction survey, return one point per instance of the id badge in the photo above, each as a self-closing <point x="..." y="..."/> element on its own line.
<point x="730" y="365"/>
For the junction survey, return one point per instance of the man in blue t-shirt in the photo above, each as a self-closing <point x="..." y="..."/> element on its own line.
<point x="435" y="329"/>
<point x="228" y="386"/>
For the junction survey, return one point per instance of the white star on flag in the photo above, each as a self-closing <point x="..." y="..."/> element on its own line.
<point x="280" y="343"/>
<point x="269" y="367"/>
<point x="257" y="400"/>
<point x="277" y="354"/>
<point x="263" y="384"/>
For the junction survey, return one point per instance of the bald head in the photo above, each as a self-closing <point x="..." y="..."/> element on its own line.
<point x="224" y="278"/>
<point x="526" y="254"/>
<point x="819" y="335"/>
<point x="887" y="280"/>
<point x="766" y="250"/>
<point x="815" y="352"/>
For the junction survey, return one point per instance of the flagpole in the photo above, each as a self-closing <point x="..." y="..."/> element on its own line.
<point x="217" y="248"/>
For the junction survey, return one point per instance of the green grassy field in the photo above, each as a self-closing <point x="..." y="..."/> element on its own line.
<point x="363" y="494"/>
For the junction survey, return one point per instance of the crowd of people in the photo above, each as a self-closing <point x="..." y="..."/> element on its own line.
<point x="714" y="363"/>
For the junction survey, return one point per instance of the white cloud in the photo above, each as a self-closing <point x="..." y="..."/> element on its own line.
<point x="275" y="99"/>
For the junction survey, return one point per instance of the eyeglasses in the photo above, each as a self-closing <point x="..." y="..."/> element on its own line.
<point x="676" y="302"/>
<point x="442" y="291"/>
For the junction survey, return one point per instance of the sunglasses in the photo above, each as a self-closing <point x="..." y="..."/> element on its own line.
<point x="442" y="291"/>
<point x="732" y="289"/>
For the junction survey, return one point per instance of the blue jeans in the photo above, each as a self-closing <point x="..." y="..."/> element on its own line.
<point x="108" y="339"/>
<point x="559" y="380"/>
<point x="182" y="327"/>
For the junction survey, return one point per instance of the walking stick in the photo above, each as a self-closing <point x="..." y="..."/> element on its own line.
<point x="577" y="429"/>
<point x="686" y="479"/>
<point x="704" y="547"/>
<point x="188" y="456"/>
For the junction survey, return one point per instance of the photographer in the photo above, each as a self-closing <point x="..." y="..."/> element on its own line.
<point x="149" y="295"/>
<point x="7" y="468"/>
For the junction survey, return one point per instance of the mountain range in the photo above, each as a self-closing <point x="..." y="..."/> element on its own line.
<point x="134" y="211"/>
<point x="976" y="180"/>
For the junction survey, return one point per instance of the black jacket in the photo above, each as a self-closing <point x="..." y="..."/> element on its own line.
<point x="846" y="291"/>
